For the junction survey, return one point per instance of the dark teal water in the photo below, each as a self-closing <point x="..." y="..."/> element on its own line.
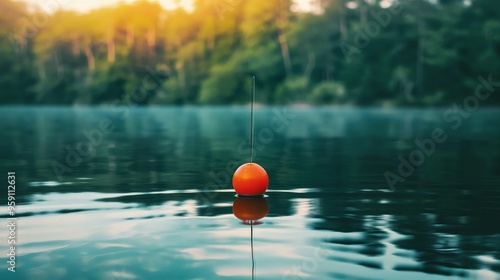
<point x="145" y="193"/>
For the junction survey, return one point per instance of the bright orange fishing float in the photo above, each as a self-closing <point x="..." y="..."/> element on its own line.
<point x="250" y="179"/>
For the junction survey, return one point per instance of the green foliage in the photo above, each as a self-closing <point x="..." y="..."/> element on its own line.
<point x="171" y="93"/>
<point x="426" y="53"/>
<point x="328" y="93"/>
<point x="291" y="90"/>
<point x="17" y="78"/>
<point x="226" y="82"/>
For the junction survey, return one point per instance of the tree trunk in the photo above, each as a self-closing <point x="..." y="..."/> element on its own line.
<point x="311" y="61"/>
<point x="329" y="71"/>
<point x="182" y="79"/>
<point x="285" y="54"/>
<point x="362" y="12"/>
<point x="151" y="38"/>
<point x="90" y="58"/>
<point x="281" y="23"/>
<point x="419" y="72"/>
<point x="130" y="37"/>
<point x="343" y="24"/>
<point x="111" y="47"/>
<point x="24" y="55"/>
<point x="59" y="66"/>
<point x="209" y="33"/>
<point x="407" y="89"/>
<point x="75" y="49"/>
<point x="212" y="37"/>
<point x="41" y="71"/>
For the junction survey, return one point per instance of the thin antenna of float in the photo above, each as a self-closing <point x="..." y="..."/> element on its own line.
<point x="251" y="245"/>
<point x="250" y="179"/>
<point x="251" y="118"/>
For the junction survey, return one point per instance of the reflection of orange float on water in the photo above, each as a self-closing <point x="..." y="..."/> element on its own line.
<point x="250" y="210"/>
<point x="250" y="179"/>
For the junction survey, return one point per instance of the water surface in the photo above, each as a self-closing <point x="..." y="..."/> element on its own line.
<point x="145" y="193"/>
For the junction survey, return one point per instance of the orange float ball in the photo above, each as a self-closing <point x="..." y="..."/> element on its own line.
<point x="250" y="179"/>
<point x="250" y="209"/>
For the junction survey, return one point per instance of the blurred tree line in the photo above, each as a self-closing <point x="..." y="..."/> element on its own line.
<point x="362" y="52"/>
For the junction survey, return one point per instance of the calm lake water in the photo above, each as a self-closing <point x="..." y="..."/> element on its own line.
<point x="146" y="193"/>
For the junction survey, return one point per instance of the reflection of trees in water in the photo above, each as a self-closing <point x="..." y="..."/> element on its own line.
<point x="445" y="236"/>
<point x="445" y="209"/>
<point x="167" y="147"/>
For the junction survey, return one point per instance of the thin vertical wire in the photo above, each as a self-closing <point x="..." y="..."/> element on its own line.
<point x="251" y="118"/>
<point x="251" y="242"/>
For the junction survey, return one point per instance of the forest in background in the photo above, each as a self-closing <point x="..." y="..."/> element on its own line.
<point x="361" y="52"/>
